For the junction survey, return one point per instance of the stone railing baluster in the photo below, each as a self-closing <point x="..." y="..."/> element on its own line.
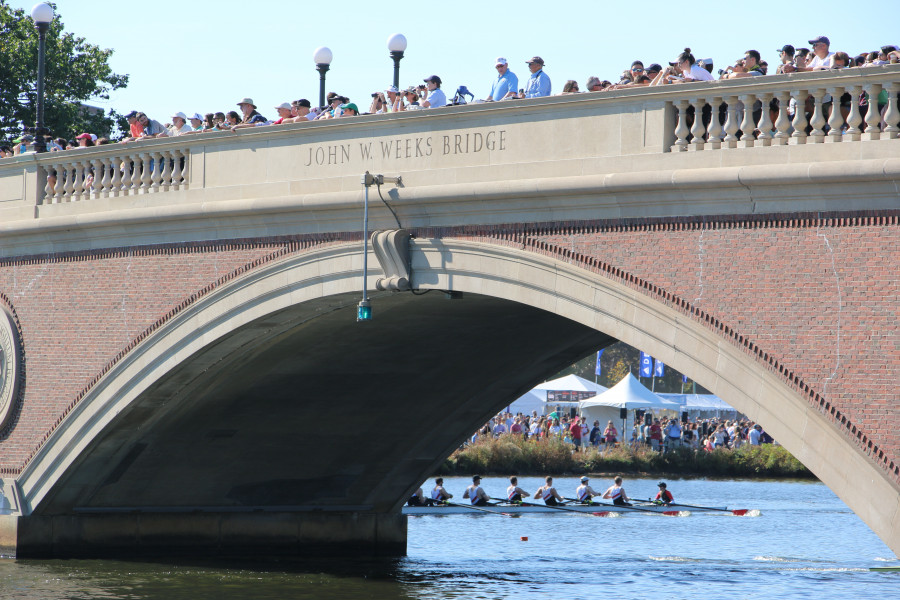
<point x="106" y="180"/>
<point x="97" y="186"/>
<point x="146" y="178"/>
<point x="176" y="169"/>
<point x="716" y="131"/>
<point x="78" y="184"/>
<point x="698" y="129"/>
<point x="783" y="121"/>
<point x="731" y="124"/>
<point x="765" y="121"/>
<point x="892" y="113"/>
<point x="135" y="186"/>
<point x="854" y="119"/>
<point x="817" y="135"/>
<point x="125" y="188"/>
<point x="59" y="189"/>
<point x="873" y="116"/>
<point x="47" y="196"/>
<point x="186" y="169"/>
<point x="116" y="177"/>
<point x="166" y="170"/>
<point x="835" y="119"/>
<point x="747" y="123"/>
<point x="681" y="130"/>
<point x="799" y="123"/>
<point x="70" y="183"/>
<point x="156" y="157"/>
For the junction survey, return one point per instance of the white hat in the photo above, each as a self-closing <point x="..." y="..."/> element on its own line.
<point x="286" y="105"/>
<point x="93" y="137"/>
<point x="500" y="61"/>
<point x="180" y="115"/>
<point x="393" y="88"/>
<point x="196" y="117"/>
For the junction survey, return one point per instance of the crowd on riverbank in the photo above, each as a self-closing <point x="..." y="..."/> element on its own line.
<point x="658" y="434"/>
<point x="429" y="94"/>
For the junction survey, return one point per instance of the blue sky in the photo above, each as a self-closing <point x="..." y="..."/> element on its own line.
<point x="204" y="56"/>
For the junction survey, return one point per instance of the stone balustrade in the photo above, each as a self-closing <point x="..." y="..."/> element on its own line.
<point x="121" y="170"/>
<point x="836" y="108"/>
<point x="622" y="145"/>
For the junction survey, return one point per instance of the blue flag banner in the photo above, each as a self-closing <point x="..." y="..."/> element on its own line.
<point x="597" y="368"/>
<point x="646" y="365"/>
<point x="659" y="369"/>
<point x="684" y="379"/>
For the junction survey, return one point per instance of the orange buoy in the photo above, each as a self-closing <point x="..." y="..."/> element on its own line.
<point x="524" y="538"/>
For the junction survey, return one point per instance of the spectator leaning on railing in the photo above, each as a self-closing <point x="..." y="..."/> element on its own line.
<point x="506" y="84"/>
<point x="434" y="96"/>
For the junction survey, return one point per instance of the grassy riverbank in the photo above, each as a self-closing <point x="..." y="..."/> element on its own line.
<point x="511" y="455"/>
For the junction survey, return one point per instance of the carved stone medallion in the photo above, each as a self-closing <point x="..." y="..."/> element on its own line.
<point x="10" y="362"/>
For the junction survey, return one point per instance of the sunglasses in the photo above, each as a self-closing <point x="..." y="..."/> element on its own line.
<point x="638" y="70"/>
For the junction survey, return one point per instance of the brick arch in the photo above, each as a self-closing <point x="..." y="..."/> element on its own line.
<point x="553" y="279"/>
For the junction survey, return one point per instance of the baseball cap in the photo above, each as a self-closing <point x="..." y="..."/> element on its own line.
<point x="535" y="59"/>
<point x="820" y="39"/>
<point x="285" y="105"/>
<point x="500" y="61"/>
<point x="195" y="117"/>
<point x="83" y="136"/>
<point x="350" y="106"/>
<point x="583" y="479"/>
<point x="393" y="89"/>
<point x="131" y="115"/>
<point x="303" y="102"/>
<point x="787" y="48"/>
<point x="433" y="79"/>
<point x="180" y="115"/>
<point x="654" y="67"/>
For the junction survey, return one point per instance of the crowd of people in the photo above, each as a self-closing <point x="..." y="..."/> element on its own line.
<point x="506" y="86"/>
<point x="584" y="494"/>
<point x="657" y="434"/>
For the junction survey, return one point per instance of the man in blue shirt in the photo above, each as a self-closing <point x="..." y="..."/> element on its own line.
<point x="538" y="84"/>
<point x="506" y="83"/>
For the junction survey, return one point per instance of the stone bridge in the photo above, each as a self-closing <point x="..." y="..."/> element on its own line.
<point x="181" y="369"/>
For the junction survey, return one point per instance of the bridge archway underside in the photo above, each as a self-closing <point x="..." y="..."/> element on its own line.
<point x="720" y="301"/>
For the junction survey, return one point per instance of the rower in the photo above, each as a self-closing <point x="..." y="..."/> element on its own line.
<point x="439" y="494"/>
<point x="548" y="493"/>
<point x="664" y="496"/>
<point x="585" y="493"/>
<point x="515" y="494"/>
<point x="617" y="493"/>
<point x="475" y="494"/>
<point x="418" y="499"/>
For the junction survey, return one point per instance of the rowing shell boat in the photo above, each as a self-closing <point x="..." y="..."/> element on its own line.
<point x="457" y="509"/>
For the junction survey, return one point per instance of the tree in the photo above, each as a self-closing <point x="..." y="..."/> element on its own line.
<point x="76" y="71"/>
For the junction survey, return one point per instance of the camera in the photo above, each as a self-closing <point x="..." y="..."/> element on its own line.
<point x="721" y="72"/>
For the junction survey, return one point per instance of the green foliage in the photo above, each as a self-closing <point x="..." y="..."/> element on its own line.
<point x="76" y="71"/>
<point x="513" y="455"/>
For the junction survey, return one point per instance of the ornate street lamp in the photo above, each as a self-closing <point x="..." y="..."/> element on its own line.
<point x="397" y="45"/>
<point x="322" y="57"/>
<point x="42" y="14"/>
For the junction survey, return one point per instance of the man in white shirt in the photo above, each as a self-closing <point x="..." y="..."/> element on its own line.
<point x="753" y="435"/>
<point x="822" y="59"/>
<point x="179" y="126"/>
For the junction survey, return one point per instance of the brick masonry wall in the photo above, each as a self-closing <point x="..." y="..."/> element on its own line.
<point x="79" y="313"/>
<point x="814" y="297"/>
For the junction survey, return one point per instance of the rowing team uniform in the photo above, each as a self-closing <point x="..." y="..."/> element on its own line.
<point x="547" y="495"/>
<point x="512" y="495"/>
<point x="616" y="496"/>
<point x="584" y="494"/>
<point x="475" y="498"/>
<point x="438" y="494"/>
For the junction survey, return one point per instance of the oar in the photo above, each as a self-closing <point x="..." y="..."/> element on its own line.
<point x="670" y="513"/>
<point x="493" y="512"/>
<point x="740" y="512"/>
<point x="572" y="510"/>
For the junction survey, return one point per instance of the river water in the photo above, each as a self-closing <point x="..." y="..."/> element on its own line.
<point x="805" y="543"/>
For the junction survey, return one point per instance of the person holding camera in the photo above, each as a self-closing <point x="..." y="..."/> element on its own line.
<point x="433" y="97"/>
<point x="749" y="66"/>
<point x="684" y="69"/>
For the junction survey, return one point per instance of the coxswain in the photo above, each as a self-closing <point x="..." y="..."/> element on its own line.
<point x="585" y="493"/>
<point x="617" y="493"/>
<point x="475" y="493"/>
<point x="515" y="494"/>
<point x="439" y="495"/>
<point x="418" y="499"/>
<point x="664" y="496"/>
<point x="548" y="493"/>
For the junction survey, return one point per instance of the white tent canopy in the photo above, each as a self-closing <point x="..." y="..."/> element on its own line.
<point x="630" y="393"/>
<point x="700" y="403"/>
<point x="536" y="398"/>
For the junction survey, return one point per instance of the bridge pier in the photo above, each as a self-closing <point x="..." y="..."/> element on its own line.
<point x="235" y="534"/>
